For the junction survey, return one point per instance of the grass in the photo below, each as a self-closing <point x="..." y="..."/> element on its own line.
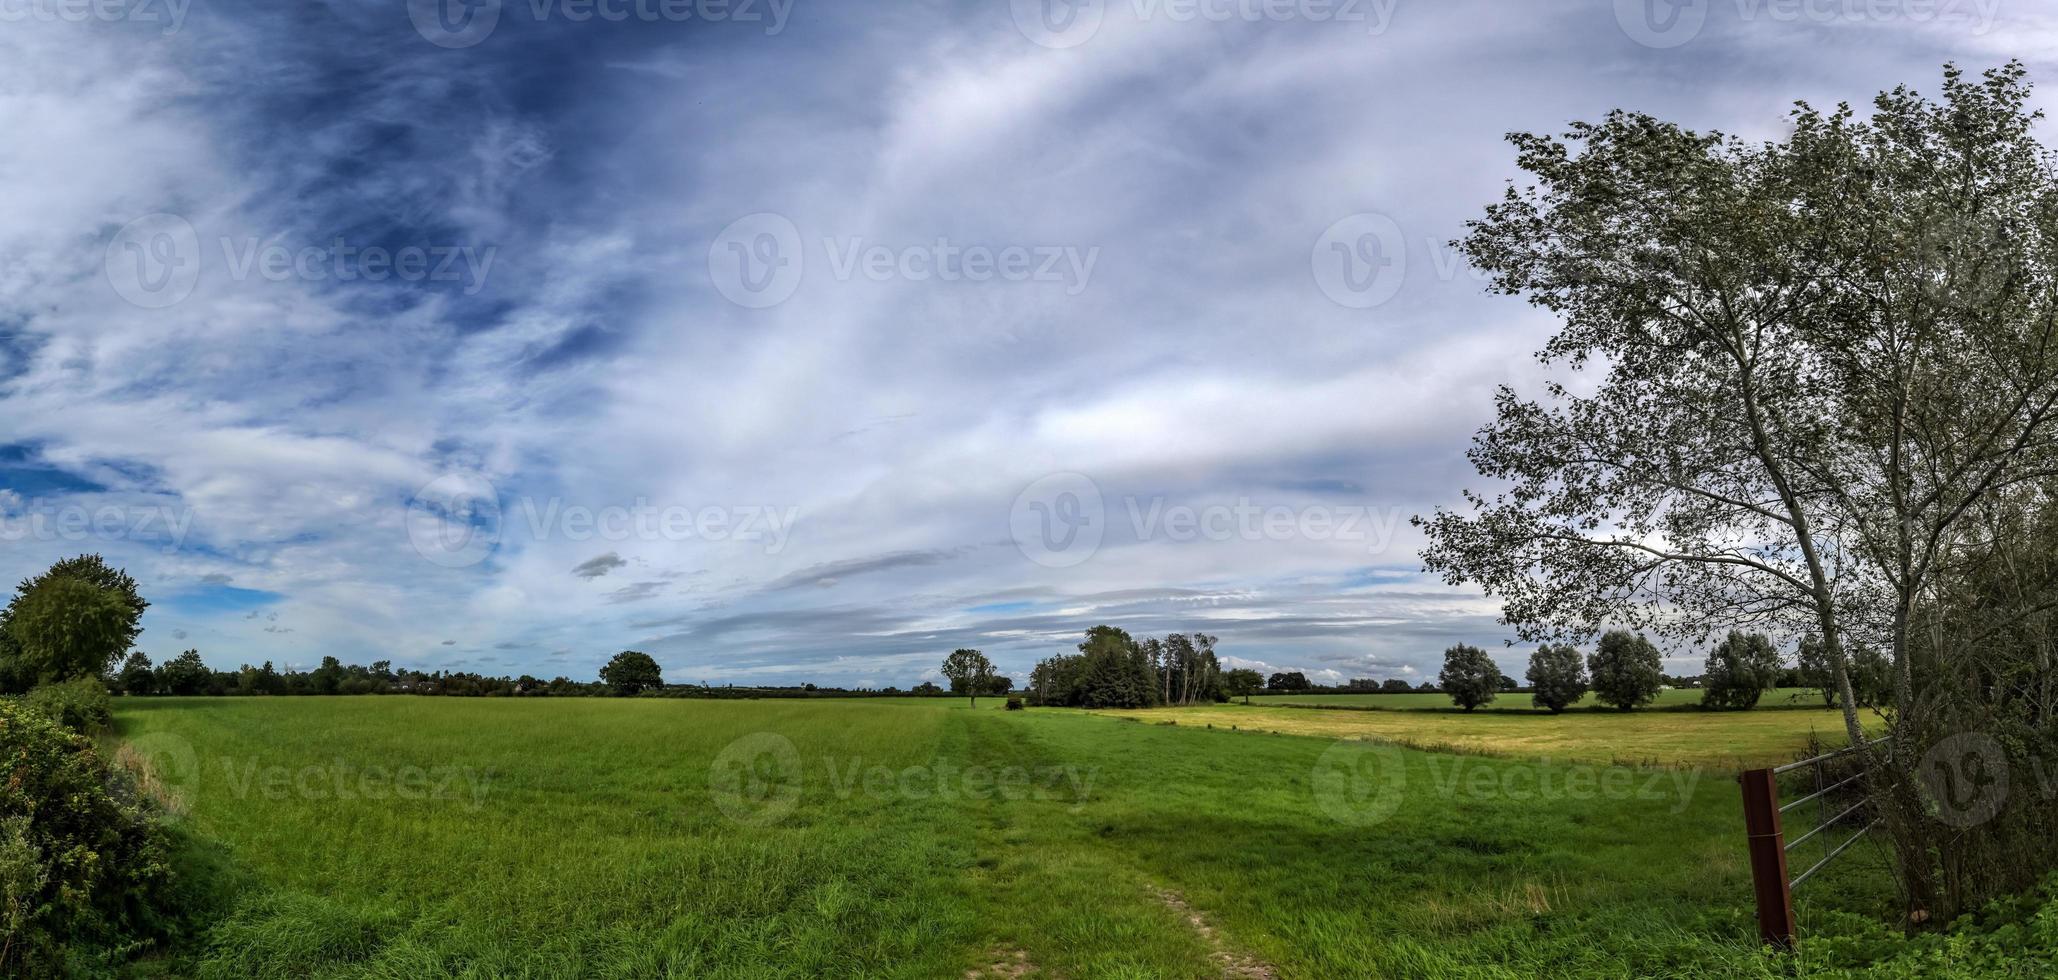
<point x="560" y="838"/>
<point x="1673" y="698"/>
<point x="1719" y="740"/>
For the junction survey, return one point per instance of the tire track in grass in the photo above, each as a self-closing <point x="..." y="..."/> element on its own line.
<point x="1235" y="964"/>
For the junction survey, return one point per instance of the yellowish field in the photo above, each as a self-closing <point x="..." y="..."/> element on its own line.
<point x="1707" y="739"/>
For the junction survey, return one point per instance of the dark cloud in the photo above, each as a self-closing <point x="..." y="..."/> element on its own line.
<point x="599" y="566"/>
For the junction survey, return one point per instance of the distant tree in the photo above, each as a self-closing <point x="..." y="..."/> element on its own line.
<point x="136" y="677"/>
<point x="969" y="673"/>
<point x="1811" y="660"/>
<point x="1508" y="685"/>
<point x="185" y="674"/>
<point x="1292" y="680"/>
<point x="1425" y="688"/>
<point x="1394" y="685"/>
<point x="327" y="678"/>
<point x="1740" y="669"/>
<point x="1557" y="677"/>
<point x="1625" y="670"/>
<point x="996" y="686"/>
<point x="1242" y="682"/>
<point x="1469" y="676"/>
<point x="632" y="672"/>
<point x="927" y="689"/>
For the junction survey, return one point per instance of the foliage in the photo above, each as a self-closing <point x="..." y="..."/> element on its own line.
<point x="1557" y="677"/>
<point x="63" y="627"/>
<point x="1827" y="381"/>
<point x="1115" y="670"/>
<point x="135" y="676"/>
<point x="1625" y="670"/>
<point x="632" y="672"/>
<point x="185" y="674"/>
<point x="120" y="634"/>
<point x="1242" y="682"/>
<point x="80" y="704"/>
<point x="1469" y="676"/>
<point x="1739" y="670"/>
<point x="1292" y="680"/>
<point x="969" y="672"/>
<point x="83" y="863"/>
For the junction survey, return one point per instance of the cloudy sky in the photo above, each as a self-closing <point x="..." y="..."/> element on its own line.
<point x="792" y="341"/>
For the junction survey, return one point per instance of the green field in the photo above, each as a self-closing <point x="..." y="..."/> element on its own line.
<point x="422" y="837"/>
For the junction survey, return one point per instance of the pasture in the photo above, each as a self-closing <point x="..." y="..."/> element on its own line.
<point x="415" y="837"/>
<point x="1670" y="698"/>
<point x="1717" y="740"/>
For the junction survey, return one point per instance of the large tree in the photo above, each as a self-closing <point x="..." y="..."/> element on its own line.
<point x="631" y="672"/>
<point x="91" y="570"/>
<point x="1242" y="682"/>
<point x="1557" y="677"/>
<point x="1469" y="676"/>
<point x="969" y="672"/>
<point x="1739" y="671"/>
<point x="64" y="628"/>
<point x="1809" y="366"/>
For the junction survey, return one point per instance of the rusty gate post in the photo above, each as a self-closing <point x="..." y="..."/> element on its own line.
<point x="1768" y="857"/>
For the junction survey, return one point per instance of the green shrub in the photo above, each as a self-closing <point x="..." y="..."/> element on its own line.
<point x="81" y="704"/>
<point x="1014" y="704"/>
<point x="84" y="868"/>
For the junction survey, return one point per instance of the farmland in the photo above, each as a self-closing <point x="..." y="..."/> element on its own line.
<point x="389" y="837"/>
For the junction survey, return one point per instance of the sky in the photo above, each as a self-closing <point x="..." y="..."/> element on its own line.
<point x="794" y="341"/>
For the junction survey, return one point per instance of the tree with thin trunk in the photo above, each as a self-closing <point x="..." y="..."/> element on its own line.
<point x="1805" y="369"/>
<point x="969" y="672"/>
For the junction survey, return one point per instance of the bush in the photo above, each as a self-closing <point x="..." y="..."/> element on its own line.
<point x="84" y="867"/>
<point x="1740" y="670"/>
<point x="1626" y="670"/>
<point x="1469" y="676"/>
<point x="1557" y="677"/>
<point x="1014" y="704"/>
<point x="81" y="704"/>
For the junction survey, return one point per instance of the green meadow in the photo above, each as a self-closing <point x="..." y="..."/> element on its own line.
<point x="447" y="837"/>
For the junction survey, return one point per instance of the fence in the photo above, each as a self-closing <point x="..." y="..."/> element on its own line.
<point x="1763" y="816"/>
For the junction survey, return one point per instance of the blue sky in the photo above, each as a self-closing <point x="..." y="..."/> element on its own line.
<point x="802" y="341"/>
